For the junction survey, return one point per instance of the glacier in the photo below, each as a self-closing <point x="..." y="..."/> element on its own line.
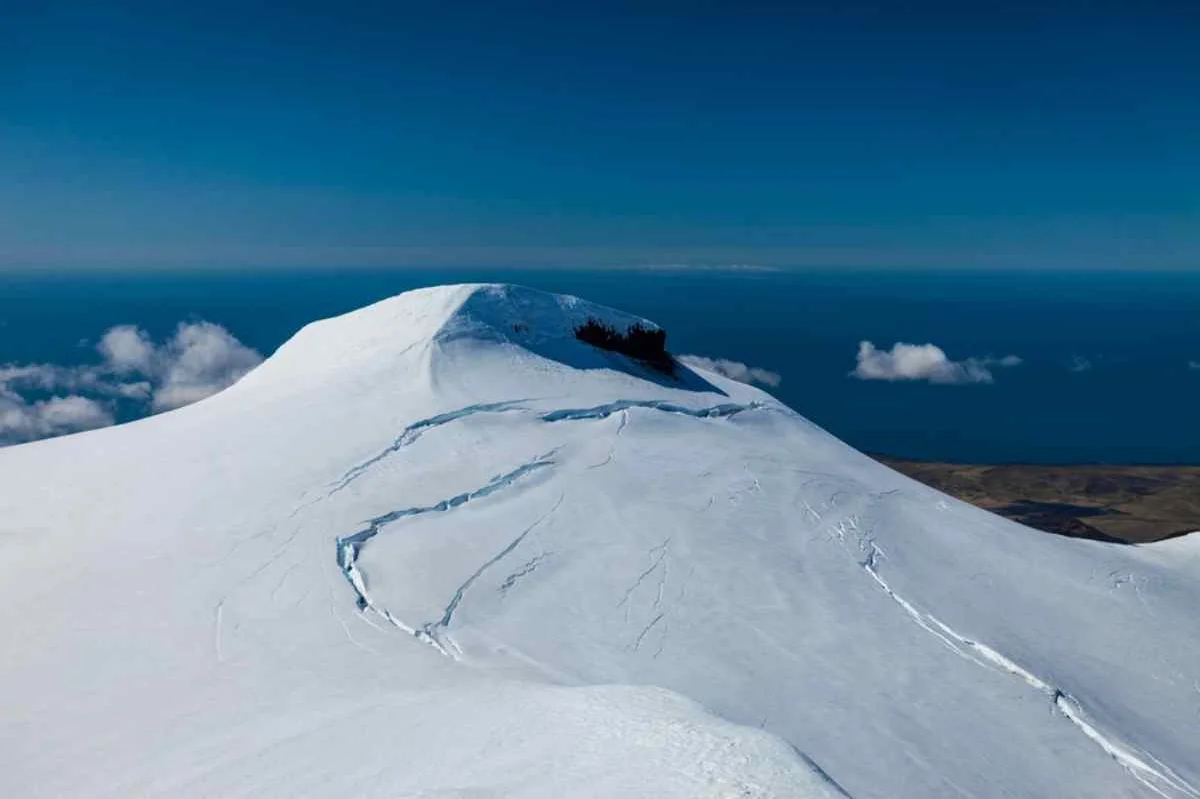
<point x="438" y="547"/>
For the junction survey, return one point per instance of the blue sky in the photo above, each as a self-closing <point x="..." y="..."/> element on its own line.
<point x="1044" y="136"/>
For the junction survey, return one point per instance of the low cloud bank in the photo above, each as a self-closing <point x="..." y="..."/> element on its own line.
<point x="925" y="362"/>
<point x="734" y="370"/>
<point x="1194" y="365"/>
<point x="197" y="360"/>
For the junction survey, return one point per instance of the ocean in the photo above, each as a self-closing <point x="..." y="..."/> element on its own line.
<point x="1104" y="377"/>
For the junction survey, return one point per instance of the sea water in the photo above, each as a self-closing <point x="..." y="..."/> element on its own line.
<point x="1104" y="376"/>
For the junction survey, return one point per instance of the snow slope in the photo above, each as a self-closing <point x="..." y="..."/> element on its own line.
<point x="437" y="547"/>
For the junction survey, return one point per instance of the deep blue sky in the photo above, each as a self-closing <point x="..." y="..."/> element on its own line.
<point x="942" y="135"/>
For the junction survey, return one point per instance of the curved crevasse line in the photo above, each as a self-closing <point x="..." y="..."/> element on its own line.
<point x="527" y="568"/>
<point x="656" y="556"/>
<point x="415" y="430"/>
<point x="350" y="547"/>
<point x="608" y="409"/>
<point x="1160" y="780"/>
<point x="433" y="630"/>
<point x="612" y="447"/>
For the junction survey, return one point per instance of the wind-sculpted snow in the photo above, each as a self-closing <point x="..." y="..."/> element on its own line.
<point x="798" y="620"/>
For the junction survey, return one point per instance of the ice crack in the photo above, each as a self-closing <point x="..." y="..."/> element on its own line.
<point x="646" y="631"/>
<point x="608" y="409"/>
<point x="432" y="631"/>
<point x="1158" y="777"/>
<point x="415" y="430"/>
<point x="350" y="547"/>
<point x="529" y="567"/>
<point x="656" y="553"/>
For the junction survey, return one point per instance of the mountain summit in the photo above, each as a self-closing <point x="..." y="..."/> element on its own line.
<point x="439" y="546"/>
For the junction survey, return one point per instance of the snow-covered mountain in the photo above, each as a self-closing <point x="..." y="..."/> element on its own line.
<point x="438" y="547"/>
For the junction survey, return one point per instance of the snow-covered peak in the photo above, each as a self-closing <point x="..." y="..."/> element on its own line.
<point x="501" y="312"/>
<point x="438" y="546"/>
<point x="464" y="315"/>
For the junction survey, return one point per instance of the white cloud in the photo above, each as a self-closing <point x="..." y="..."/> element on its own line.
<point x="926" y="362"/>
<point x="1194" y="365"/>
<point x="128" y="350"/>
<point x="200" y="359"/>
<point x="38" y="376"/>
<point x="72" y="413"/>
<point x="48" y="377"/>
<point x="1079" y="364"/>
<point x="733" y="370"/>
<point x="25" y="421"/>
<point x="141" y="390"/>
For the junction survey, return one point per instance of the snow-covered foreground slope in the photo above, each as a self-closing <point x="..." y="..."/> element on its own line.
<point x="437" y="547"/>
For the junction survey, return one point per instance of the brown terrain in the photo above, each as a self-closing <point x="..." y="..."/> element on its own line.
<point x="1128" y="504"/>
